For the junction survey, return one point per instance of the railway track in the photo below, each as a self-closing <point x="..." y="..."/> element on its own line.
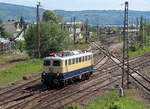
<point x="58" y="105"/>
<point x="132" y="71"/>
<point x="49" y="94"/>
<point x="94" y="76"/>
<point x="20" y="89"/>
<point x="9" y="93"/>
<point x="10" y="101"/>
<point x="54" y="97"/>
<point x="114" y="67"/>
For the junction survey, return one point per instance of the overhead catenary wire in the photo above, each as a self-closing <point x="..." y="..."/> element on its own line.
<point x="111" y="55"/>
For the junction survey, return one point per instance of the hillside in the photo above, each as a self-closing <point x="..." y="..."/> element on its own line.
<point x="104" y="17"/>
<point x="9" y="11"/>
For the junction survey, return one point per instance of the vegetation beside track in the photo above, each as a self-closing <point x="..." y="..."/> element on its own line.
<point x="8" y="58"/>
<point x="141" y="45"/>
<point x="138" y="50"/>
<point x="20" y="69"/>
<point x="80" y="46"/>
<point x="112" y="101"/>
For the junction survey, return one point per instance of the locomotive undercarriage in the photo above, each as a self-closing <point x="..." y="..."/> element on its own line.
<point x="53" y="80"/>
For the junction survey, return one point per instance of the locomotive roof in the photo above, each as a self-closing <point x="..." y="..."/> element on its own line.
<point x="68" y="57"/>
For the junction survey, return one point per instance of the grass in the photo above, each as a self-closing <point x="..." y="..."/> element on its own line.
<point x="80" y="46"/>
<point x="111" y="101"/>
<point x="139" y="50"/>
<point x="7" y="58"/>
<point x="20" y="69"/>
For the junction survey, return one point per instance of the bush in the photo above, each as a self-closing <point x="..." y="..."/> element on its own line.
<point x="73" y="106"/>
<point x="21" y="45"/>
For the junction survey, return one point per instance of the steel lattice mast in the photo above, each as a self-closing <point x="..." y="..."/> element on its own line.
<point x="125" y="69"/>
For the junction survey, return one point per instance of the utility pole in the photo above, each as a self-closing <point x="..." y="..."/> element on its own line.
<point x="74" y="30"/>
<point x="37" y="44"/>
<point x="125" y="47"/>
<point x="137" y="26"/>
<point x="97" y="31"/>
<point x="141" y="36"/>
<point x="86" y="29"/>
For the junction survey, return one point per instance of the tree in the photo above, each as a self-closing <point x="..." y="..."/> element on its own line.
<point x="52" y="38"/>
<point x="5" y="34"/>
<point x="1" y="28"/>
<point x="50" y="16"/>
<point x="20" y="45"/>
<point x="22" y="22"/>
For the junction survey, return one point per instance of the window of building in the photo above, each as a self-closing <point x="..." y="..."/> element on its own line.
<point x="56" y="63"/>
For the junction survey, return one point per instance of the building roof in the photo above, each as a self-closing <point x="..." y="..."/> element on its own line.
<point x="2" y="40"/>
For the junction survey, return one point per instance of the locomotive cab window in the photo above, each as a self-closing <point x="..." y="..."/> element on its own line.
<point x="47" y="63"/>
<point x="56" y="63"/>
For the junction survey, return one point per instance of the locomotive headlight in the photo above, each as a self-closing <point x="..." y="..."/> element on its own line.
<point x="44" y="73"/>
<point x="57" y="73"/>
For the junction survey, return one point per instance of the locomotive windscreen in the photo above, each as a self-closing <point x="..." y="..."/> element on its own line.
<point x="47" y="63"/>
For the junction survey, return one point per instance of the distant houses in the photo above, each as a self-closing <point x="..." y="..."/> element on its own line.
<point x="16" y="30"/>
<point x="74" y="26"/>
<point x="6" y="45"/>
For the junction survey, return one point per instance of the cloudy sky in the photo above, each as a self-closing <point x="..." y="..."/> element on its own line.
<point x="84" y="4"/>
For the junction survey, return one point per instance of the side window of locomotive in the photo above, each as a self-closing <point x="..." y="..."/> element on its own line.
<point x="69" y="61"/>
<point x="88" y="57"/>
<point x="47" y="63"/>
<point x="56" y="63"/>
<point x="80" y="59"/>
<point x="73" y="61"/>
<point x="66" y="62"/>
<point x="85" y="58"/>
<point x="76" y="60"/>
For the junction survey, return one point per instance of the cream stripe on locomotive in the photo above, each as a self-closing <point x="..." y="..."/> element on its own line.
<point x="70" y="63"/>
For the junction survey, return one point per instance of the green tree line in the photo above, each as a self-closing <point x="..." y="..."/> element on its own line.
<point x="52" y="37"/>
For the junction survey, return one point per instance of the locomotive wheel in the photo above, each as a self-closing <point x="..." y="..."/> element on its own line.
<point x="87" y="76"/>
<point x="83" y="77"/>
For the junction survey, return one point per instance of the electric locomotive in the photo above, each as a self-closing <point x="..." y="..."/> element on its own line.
<point x="67" y="67"/>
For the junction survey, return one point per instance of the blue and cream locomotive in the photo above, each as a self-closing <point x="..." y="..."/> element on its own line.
<point x="67" y="67"/>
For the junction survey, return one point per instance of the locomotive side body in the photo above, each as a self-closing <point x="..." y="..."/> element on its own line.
<point x="68" y="69"/>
